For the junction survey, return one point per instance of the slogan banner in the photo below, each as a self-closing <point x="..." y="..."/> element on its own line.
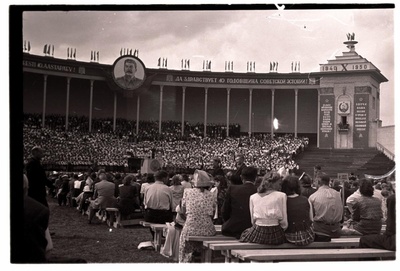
<point x="240" y="81"/>
<point x="326" y="131"/>
<point x="361" y="126"/>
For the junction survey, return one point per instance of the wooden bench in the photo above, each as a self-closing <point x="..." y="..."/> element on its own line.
<point x="115" y="220"/>
<point x="330" y="254"/>
<point x="159" y="229"/>
<point x="227" y="245"/>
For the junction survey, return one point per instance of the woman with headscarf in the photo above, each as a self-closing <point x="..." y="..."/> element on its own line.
<point x="198" y="205"/>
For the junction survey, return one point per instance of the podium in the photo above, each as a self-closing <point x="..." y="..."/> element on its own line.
<point x="150" y="165"/>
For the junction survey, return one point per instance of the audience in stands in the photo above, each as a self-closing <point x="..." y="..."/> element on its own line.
<point x="268" y="213"/>
<point x="199" y="206"/>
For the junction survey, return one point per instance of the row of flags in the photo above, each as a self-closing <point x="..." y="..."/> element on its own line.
<point x="71" y="53"/>
<point x="162" y="63"/>
<point x="128" y="51"/>
<point x="296" y="66"/>
<point x="47" y="49"/>
<point x="185" y="64"/>
<point x="94" y="56"/>
<point x="251" y="66"/>
<point x="228" y="65"/>
<point x="27" y="46"/>
<point x="273" y="66"/>
<point x="207" y="65"/>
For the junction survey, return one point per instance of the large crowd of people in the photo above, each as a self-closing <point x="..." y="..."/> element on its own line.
<point x="272" y="207"/>
<point x="76" y="147"/>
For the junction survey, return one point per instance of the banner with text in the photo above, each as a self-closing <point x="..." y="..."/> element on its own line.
<point x="361" y="126"/>
<point x="326" y="131"/>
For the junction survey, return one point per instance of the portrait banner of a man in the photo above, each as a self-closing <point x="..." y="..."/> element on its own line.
<point x="129" y="72"/>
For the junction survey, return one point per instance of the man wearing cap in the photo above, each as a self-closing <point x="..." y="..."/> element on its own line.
<point x="327" y="207"/>
<point x="158" y="200"/>
<point x="235" y="210"/>
<point x="37" y="177"/>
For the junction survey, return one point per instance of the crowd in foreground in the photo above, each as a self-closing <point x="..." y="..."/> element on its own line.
<point x="281" y="206"/>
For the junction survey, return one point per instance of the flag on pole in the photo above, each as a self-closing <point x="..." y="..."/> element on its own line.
<point x="29" y="46"/>
<point x="159" y="61"/>
<point x="52" y="50"/>
<point x="188" y="63"/>
<point x="48" y="49"/>
<point x="232" y="65"/>
<point x="45" y="49"/>
<point x="91" y="55"/>
<point x="74" y="53"/>
<point x="120" y="52"/>
<point x="68" y="52"/>
<point x="98" y="56"/>
<point x="166" y="59"/>
<point x="24" y="45"/>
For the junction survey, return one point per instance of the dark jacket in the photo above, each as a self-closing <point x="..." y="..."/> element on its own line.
<point x="37" y="181"/>
<point x="235" y="210"/>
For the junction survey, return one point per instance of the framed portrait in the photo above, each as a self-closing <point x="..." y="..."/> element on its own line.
<point x="128" y="72"/>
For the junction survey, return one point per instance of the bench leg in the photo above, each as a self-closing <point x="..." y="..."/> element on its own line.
<point x="157" y="240"/>
<point x="207" y="255"/>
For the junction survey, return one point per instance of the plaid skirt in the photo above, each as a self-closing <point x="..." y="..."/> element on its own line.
<point x="301" y="238"/>
<point x="270" y="235"/>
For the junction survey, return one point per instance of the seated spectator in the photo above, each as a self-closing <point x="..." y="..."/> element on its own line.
<point x="103" y="196"/>
<point x="235" y="210"/>
<point x="199" y="207"/>
<point x="177" y="191"/>
<point x="306" y="188"/>
<point x="300" y="229"/>
<point x="327" y="209"/>
<point x="128" y="200"/>
<point x="387" y="240"/>
<point x="222" y="186"/>
<point x="268" y="213"/>
<point x="353" y="198"/>
<point x="185" y="181"/>
<point x="367" y="212"/>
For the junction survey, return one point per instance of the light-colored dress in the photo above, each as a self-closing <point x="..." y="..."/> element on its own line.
<point x="199" y="212"/>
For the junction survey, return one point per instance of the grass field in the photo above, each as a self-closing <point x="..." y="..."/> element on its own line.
<point x="95" y="243"/>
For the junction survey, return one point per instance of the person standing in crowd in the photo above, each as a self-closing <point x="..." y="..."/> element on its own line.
<point x="217" y="167"/>
<point x="239" y="164"/>
<point x="306" y="188"/>
<point x="327" y="209"/>
<point x="36" y="221"/>
<point x="300" y="229"/>
<point x="387" y="240"/>
<point x="235" y="210"/>
<point x="268" y="213"/>
<point x="158" y="200"/>
<point x="37" y="177"/>
<point x="199" y="207"/>
<point x="367" y="211"/>
<point x="317" y="175"/>
<point x="63" y="190"/>
<point x="103" y="196"/>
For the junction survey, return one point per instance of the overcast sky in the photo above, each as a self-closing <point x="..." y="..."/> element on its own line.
<point x="309" y="36"/>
